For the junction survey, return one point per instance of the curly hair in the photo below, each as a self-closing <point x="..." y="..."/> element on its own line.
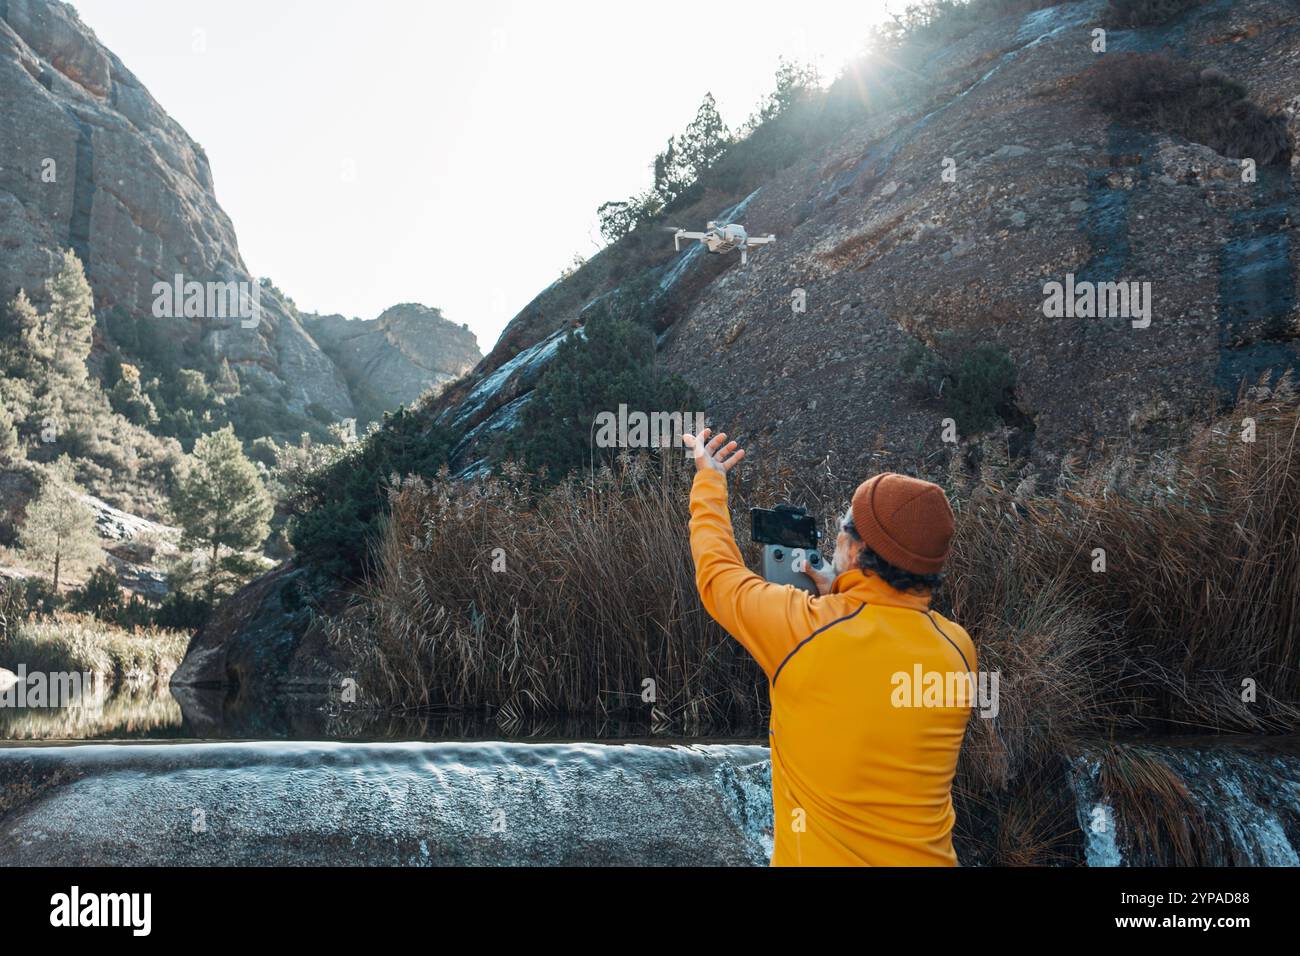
<point x="895" y="577"/>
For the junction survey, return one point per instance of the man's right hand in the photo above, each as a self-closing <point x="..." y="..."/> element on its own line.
<point x="823" y="577"/>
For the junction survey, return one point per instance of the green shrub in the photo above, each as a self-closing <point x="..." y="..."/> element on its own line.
<point x="39" y="598"/>
<point x="972" y="388"/>
<point x="101" y="595"/>
<point x="1203" y="106"/>
<point x="336" y="509"/>
<point x="182" y="612"/>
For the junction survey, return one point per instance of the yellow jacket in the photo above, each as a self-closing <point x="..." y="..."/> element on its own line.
<point x="861" y="771"/>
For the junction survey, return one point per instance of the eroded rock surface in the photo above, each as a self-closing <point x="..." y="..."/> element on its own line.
<point x="393" y="360"/>
<point x="90" y="161"/>
<point x="887" y="251"/>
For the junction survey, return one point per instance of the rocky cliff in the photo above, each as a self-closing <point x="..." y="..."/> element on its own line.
<point x="948" y="209"/>
<point x="391" y="361"/>
<point x="90" y="161"/>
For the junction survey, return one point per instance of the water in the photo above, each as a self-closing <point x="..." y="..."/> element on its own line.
<point x="407" y="804"/>
<point x="1238" y="801"/>
<point x="153" y="711"/>
<point x="345" y="786"/>
<point x="130" y="710"/>
<point x="1095" y="815"/>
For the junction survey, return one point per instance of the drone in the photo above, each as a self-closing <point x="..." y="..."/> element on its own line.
<point x="723" y="237"/>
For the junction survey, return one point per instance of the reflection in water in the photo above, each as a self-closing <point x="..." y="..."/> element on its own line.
<point x="224" y="714"/>
<point x="135" y="710"/>
<point x="129" y="710"/>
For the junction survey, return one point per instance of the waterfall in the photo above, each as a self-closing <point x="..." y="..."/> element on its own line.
<point x="1242" y="800"/>
<point x="407" y="804"/>
<point x="477" y="803"/>
<point x="1096" y="816"/>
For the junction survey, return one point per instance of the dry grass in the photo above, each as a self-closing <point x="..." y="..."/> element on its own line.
<point x="1200" y="592"/>
<point x="1165" y="824"/>
<point x="594" y="594"/>
<point x="75" y="643"/>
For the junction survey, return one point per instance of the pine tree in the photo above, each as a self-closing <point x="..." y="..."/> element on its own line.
<point x="705" y="139"/>
<point x="21" y="368"/>
<point x="227" y="383"/>
<point x="20" y="336"/>
<point x="220" y="502"/>
<point x="68" y="327"/>
<point x="59" y="530"/>
<point x="794" y="82"/>
<point x="672" y="172"/>
<point x="10" y="448"/>
<point x="128" y="399"/>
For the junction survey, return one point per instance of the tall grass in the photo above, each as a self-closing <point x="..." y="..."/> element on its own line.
<point x="566" y="600"/>
<point x="592" y="595"/>
<point x="81" y="644"/>
<point x="1199" y="599"/>
<point x="1199" y="604"/>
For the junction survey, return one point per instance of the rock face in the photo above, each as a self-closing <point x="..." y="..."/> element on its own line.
<point x="138" y="549"/>
<point x="394" y="359"/>
<point x="89" y="161"/>
<point x="261" y="639"/>
<point x="887" y="251"/>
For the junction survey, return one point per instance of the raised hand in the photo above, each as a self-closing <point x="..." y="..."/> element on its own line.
<point x="712" y="453"/>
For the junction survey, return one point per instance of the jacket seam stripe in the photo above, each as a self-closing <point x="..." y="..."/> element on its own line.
<point x="949" y="640"/>
<point x="795" y="649"/>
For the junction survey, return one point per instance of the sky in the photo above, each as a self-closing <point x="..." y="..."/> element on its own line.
<point x="452" y="154"/>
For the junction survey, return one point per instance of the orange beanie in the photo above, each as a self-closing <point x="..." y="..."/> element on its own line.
<point x="906" y="521"/>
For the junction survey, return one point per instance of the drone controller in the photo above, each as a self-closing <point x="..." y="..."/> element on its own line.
<point x="787" y="534"/>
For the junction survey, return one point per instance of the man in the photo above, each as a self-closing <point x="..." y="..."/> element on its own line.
<point x="862" y="760"/>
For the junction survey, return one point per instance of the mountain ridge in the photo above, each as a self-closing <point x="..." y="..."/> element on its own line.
<point x="90" y="161"/>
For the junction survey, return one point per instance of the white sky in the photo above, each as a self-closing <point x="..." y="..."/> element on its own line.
<point x="453" y="154"/>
